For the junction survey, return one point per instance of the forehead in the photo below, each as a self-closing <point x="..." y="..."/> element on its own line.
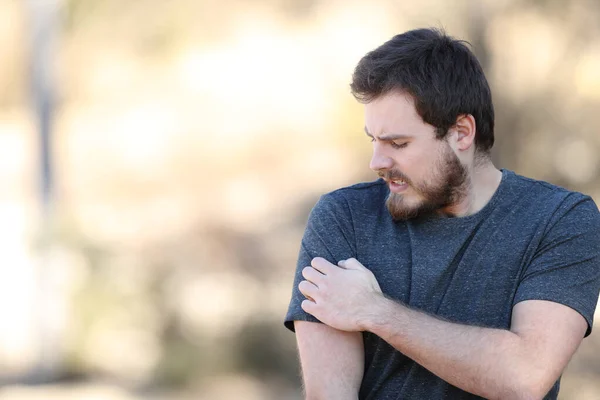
<point x="394" y="113"/>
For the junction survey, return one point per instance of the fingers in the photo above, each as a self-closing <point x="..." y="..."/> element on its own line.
<point x="312" y="275"/>
<point x="351" y="263"/>
<point x="326" y="268"/>
<point x="308" y="306"/>
<point x="308" y="289"/>
<point x="322" y="265"/>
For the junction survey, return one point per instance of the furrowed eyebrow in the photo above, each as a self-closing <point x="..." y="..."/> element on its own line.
<point x="389" y="137"/>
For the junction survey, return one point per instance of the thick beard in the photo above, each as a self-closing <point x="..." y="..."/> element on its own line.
<point x="452" y="187"/>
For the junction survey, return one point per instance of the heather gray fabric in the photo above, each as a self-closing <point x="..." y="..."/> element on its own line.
<point x="533" y="240"/>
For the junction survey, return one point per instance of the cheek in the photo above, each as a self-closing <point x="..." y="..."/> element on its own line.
<point x="416" y="165"/>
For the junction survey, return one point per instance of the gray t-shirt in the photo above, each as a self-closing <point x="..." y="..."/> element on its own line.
<point x="533" y="240"/>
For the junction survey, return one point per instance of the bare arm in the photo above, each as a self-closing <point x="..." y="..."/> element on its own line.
<point x="522" y="363"/>
<point x="332" y="361"/>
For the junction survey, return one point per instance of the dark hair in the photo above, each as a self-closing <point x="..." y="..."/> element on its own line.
<point x="440" y="73"/>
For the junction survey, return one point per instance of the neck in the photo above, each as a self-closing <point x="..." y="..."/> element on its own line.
<point x="483" y="182"/>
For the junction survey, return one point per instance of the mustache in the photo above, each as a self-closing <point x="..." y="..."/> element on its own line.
<point x="393" y="175"/>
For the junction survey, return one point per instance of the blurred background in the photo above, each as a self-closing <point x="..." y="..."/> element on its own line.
<point x="158" y="160"/>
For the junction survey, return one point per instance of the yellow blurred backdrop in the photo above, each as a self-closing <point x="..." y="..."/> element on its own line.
<point x="189" y="140"/>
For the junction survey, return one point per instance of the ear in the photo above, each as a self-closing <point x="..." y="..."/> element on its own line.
<point x="465" y="131"/>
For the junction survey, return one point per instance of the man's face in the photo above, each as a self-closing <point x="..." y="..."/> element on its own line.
<point x="423" y="173"/>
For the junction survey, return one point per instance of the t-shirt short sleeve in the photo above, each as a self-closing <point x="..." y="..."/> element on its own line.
<point x="566" y="266"/>
<point x="329" y="234"/>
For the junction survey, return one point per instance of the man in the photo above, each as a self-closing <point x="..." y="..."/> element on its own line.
<point x="447" y="278"/>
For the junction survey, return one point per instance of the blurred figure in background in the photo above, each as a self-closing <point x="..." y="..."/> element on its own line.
<point x="447" y="278"/>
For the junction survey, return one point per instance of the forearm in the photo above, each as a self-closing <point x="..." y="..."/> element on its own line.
<point x="341" y="394"/>
<point x="332" y="361"/>
<point x="330" y="386"/>
<point x="491" y="363"/>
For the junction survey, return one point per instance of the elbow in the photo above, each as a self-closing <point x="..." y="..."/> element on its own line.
<point x="525" y="391"/>
<point x="516" y="393"/>
<point x="527" y="381"/>
<point x="528" y="394"/>
<point x="534" y="392"/>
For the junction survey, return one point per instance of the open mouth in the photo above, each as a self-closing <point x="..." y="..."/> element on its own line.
<point x="398" y="185"/>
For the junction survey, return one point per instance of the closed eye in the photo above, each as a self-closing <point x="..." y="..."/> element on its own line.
<point x="392" y="143"/>
<point x="399" y="146"/>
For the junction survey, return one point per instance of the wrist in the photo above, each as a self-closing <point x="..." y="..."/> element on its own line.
<point x="377" y="314"/>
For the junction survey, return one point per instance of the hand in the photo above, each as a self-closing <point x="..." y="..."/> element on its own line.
<point x="340" y="296"/>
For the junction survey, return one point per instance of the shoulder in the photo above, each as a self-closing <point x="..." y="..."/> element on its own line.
<point x="557" y="203"/>
<point x="360" y="195"/>
<point x="548" y="195"/>
<point x="348" y="204"/>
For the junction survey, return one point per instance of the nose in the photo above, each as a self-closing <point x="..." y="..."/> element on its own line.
<point x="379" y="160"/>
